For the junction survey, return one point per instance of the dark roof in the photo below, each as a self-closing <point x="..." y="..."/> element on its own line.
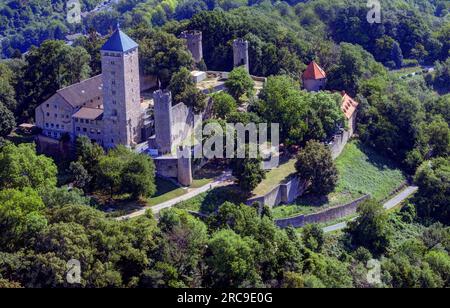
<point x="89" y="113"/>
<point x="119" y="42"/>
<point x="82" y="92"/>
<point x="314" y="71"/>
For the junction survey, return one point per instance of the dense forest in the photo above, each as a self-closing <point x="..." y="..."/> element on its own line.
<point x="403" y="116"/>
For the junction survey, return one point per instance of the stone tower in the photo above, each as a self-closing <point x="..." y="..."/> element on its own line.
<point x="184" y="166"/>
<point x="121" y="91"/>
<point x="194" y="43"/>
<point x="163" y="120"/>
<point x="314" y="78"/>
<point x="240" y="53"/>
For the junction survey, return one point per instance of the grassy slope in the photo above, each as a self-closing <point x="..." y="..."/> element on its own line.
<point x="275" y="177"/>
<point x="361" y="171"/>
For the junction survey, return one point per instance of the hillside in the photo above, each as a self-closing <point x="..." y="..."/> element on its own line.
<point x="362" y="171"/>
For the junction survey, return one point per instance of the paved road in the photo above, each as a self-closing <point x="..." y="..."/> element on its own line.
<point x="403" y="195"/>
<point x="223" y="180"/>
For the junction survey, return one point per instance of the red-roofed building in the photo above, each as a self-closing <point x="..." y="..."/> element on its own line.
<point x="349" y="107"/>
<point x="314" y="78"/>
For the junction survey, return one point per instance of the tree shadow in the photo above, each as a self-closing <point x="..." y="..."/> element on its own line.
<point x="379" y="161"/>
<point x="216" y="197"/>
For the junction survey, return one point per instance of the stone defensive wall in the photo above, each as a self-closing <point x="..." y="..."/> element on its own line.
<point x="284" y="193"/>
<point x="288" y="192"/>
<point x="326" y="215"/>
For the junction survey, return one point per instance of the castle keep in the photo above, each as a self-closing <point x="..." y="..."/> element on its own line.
<point x="106" y="108"/>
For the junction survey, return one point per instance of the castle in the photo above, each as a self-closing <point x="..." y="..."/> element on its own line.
<point x="109" y="110"/>
<point x="106" y="108"/>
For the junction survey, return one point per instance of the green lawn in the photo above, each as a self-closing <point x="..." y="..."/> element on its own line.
<point x="165" y="190"/>
<point x="209" y="201"/>
<point x="275" y="176"/>
<point x="361" y="171"/>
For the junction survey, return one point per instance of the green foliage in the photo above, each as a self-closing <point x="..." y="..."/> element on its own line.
<point x="7" y="90"/>
<point x="224" y="105"/>
<point x="353" y="65"/>
<point x="315" y="166"/>
<point x="240" y="84"/>
<point x="124" y="171"/>
<point x="313" y="238"/>
<point x="79" y="175"/>
<point x="59" y="197"/>
<point x="21" y="215"/>
<point x="441" y="78"/>
<point x="183" y="244"/>
<point x="432" y="198"/>
<point x="184" y="90"/>
<point x="161" y="54"/>
<point x="21" y="167"/>
<point x="232" y="258"/>
<point x="7" y="121"/>
<point x="241" y="218"/>
<point x="50" y="67"/>
<point x="302" y="116"/>
<point x="249" y="172"/>
<point x="397" y="55"/>
<point x="371" y="228"/>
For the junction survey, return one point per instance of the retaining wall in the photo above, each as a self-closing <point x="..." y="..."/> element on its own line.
<point x="326" y="215"/>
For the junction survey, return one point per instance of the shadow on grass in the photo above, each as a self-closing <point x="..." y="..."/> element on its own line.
<point x="216" y="197"/>
<point x="163" y="186"/>
<point x="379" y="161"/>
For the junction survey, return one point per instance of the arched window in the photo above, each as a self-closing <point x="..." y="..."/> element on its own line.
<point x="114" y="112"/>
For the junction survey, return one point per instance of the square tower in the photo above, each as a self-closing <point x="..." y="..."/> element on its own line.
<point x="122" y="116"/>
<point x="240" y="53"/>
<point x="194" y="44"/>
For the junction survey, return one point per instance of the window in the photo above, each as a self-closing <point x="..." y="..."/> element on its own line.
<point x="114" y="102"/>
<point x="78" y="129"/>
<point x="99" y="131"/>
<point x="113" y="92"/>
<point x="84" y="129"/>
<point x="76" y="120"/>
<point x="92" y="131"/>
<point x="57" y="126"/>
<point x="48" y="105"/>
<point x="81" y="121"/>
<point x="46" y="125"/>
<point x="114" y="113"/>
<point x="52" y="125"/>
<point x="56" y="107"/>
<point x="56" y="115"/>
<point x="113" y="82"/>
<point x="62" y="126"/>
<point x="113" y="63"/>
<point x="48" y="114"/>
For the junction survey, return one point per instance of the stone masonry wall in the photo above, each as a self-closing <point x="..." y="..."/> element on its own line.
<point x="323" y="216"/>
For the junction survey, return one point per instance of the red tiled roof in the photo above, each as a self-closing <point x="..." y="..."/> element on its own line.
<point x="349" y="105"/>
<point x="314" y="71"/>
